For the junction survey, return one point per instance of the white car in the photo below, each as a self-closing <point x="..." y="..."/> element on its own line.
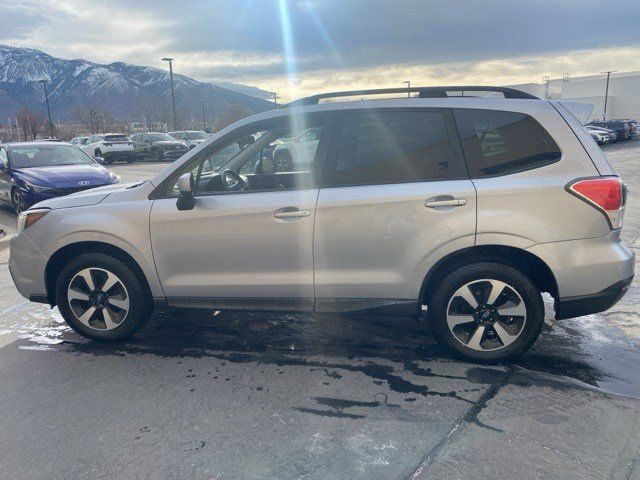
<point x="193" y="138"/>
<point x="78" y="141"/>
<point x="301" y="148"/>
<point x="110" y="147"/>
<point x="599" y="135"/>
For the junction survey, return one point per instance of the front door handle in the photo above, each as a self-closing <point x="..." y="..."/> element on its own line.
<point x="290" y="213"/>
<point x="445" y="201"/>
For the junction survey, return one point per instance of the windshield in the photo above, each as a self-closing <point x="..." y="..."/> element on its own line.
<point x="48" y="156"/>
<point x="196" y="135"/>
<point x="160" y="137"/>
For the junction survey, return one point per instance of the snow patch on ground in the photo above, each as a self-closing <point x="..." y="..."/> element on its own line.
<point x="37" y="324"/>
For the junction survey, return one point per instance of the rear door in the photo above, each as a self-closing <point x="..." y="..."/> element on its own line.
<point x="395" y="198"/>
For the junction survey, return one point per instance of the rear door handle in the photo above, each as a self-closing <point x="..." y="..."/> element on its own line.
<point x="445" y="201"/>
<point x="290" y="213"/>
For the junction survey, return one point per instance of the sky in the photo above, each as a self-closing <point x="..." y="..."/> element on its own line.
<point x="298" y="47"/>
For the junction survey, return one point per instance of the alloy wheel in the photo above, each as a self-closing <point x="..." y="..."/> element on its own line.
<point x="486" y="315"/>
<point x="98" y="298"/>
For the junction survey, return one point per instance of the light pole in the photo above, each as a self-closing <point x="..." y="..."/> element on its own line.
<point x="173" y="96"/>
<point x="408" y="82"/>
<point x="606" y="94"/>
<point x="46" y="98"/>
<point x="275" y="100"/>
<point x="204" y="120"/>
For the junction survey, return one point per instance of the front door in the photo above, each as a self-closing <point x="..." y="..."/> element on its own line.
<point x="396" y="198"/>
<point x="246" y="244"/>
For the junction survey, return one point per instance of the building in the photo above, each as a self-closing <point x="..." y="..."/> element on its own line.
<point x="623" y="100"/>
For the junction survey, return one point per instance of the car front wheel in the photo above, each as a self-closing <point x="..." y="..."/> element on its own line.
<point x="17" y="200"/>
<point x="101" y="297"/>
<point x="486" y="312"/>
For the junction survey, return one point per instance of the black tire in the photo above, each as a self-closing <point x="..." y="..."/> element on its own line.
<point x="140" y="305"/>
<point x="156" y="154"/>
<point x="437" y="310"/>
<point x="131" y="159"/>
<point x="17" y="200"/>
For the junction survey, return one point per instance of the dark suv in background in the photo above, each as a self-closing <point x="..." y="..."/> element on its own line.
<point x="158" y="146"/>
<point x="621" y="128"/>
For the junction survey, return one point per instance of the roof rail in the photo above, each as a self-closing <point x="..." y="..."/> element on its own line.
<point x="423" y="92"/>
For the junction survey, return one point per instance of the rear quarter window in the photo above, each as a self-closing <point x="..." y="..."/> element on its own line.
<point x="501" y="143"/>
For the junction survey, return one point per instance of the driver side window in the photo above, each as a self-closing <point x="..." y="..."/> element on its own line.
<point x="278" y="155"/>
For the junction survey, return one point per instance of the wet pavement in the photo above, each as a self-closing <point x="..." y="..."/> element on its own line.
<point x="220" y="395"/>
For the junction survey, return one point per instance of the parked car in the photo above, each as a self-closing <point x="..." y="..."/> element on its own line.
<point x="621" y="128"/>
<point x="599" y="135"/>
<point x="459" y="211"/>
<point x="297" y="152"/>
<point x="192" y="138"/>
<point x="78" y="141"/>
<point x="612" y="136"/>
<point x="633" y="126"/>
<point x="158" y="146"/>
<point x="31" y="172"/>
<point x="110" y="146"/>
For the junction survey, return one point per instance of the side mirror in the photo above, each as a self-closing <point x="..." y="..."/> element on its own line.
<point x="186" y="200"/>
<point x="100" y="160"/>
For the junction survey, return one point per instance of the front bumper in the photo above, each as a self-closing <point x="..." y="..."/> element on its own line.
<point x="174" y="153"/>
<point x="571" y="307"/>
<point x="27" y="266"/>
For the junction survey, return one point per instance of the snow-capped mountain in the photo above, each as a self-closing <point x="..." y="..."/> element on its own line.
<point x="126" y="91"/>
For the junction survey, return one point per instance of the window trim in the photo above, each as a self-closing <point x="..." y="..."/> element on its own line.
<point x="457" y="168"/>
<point x="164" y="190"/>
<point x="514" y="172"/>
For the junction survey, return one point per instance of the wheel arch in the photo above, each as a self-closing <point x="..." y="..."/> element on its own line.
<point x="58" y="260"/>
<point x="526" y="262"/>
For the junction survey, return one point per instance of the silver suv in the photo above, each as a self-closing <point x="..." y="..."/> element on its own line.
<point x="459" y="209"/>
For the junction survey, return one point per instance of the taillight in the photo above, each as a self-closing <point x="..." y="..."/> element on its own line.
<point x="607" y="194"/>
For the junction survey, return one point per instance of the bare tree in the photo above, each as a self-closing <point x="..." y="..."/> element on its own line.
<point x="155" y="113"/>
<point x="235" y="112"/>
<point x="30" y="122"/>
<point x="93" y="119"/>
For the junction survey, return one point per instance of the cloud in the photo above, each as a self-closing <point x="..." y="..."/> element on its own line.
<point x="348" y="41"/>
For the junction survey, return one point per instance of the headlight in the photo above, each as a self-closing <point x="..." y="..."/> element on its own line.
<point x="29" y="217"/>
<point x="37" y="188"/>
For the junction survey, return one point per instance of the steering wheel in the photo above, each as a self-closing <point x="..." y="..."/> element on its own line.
<point x="233" y="182"/>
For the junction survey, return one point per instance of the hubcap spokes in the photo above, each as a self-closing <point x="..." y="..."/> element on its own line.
<point x="486" y="314"/>
<point x="98" y="298"/>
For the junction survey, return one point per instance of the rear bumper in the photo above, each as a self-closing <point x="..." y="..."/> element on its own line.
<point x="587" y="266"/>
<point x="597" y="302"/>
<point x="123" y="154"/>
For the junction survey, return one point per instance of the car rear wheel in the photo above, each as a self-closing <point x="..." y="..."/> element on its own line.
<point x="486" y="312"/>
<point x="17" y="200"/>
<point x="102" y="298"/>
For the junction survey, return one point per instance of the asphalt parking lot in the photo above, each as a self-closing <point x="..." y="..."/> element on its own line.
<point x="224" y="395"/>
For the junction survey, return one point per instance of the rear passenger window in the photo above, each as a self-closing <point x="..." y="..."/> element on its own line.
<point x="501" y="143"/>
<point x="392" y="147"/>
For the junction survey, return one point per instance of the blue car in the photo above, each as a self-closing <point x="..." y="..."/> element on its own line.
<point x="34" y="171"/>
